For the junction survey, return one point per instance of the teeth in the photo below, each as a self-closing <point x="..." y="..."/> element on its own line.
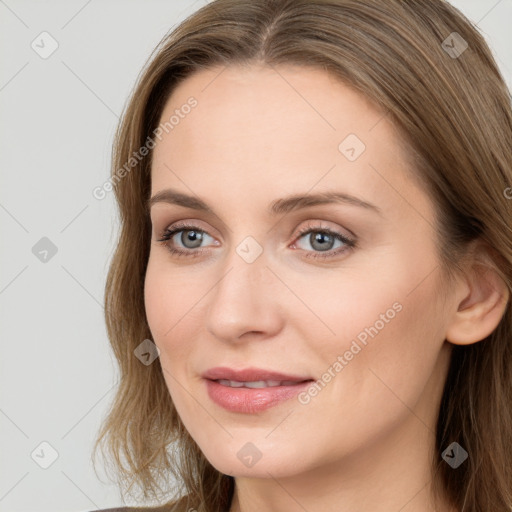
<point x="256" y="384"/>
<point x="231" y="383"/>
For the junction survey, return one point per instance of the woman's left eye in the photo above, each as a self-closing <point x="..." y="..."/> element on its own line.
<point x="319" y="238"/>
<point x="323" y="239"/>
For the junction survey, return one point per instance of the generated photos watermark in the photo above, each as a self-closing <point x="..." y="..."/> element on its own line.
<point x="100" y="192"/>
<point x="343" y="360"/>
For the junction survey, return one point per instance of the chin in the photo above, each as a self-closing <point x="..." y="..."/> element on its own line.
<point x="244" y="459"/>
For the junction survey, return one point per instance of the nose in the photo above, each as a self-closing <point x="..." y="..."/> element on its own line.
<point x="245" y="301"/>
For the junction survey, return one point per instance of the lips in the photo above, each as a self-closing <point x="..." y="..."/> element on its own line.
<point x="256" y="384"/>
<point x="251" y="390"/>
<point x="253" y="375"/>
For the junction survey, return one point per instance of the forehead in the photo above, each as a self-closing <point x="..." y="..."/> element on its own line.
<point x="272" y="107"/>
<point x="264" y="130"/>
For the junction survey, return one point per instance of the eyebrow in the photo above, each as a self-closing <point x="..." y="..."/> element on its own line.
<point x="277" y="207"/>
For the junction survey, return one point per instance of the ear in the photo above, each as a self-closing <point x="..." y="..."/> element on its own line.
<point x="482" y="297"/>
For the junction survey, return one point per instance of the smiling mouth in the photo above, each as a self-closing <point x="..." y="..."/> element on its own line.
<point x="258" y="384"/>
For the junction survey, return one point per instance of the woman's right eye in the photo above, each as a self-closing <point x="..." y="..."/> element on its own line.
<point x="189" y="233"/>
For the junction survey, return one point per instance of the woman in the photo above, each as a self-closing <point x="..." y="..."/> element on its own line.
<point x="309" y="300"/>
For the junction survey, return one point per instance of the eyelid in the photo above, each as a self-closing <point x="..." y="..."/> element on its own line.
<point x="186" y="224"/>
<point x="313" y="223"/>
<point x="319" y="224"/>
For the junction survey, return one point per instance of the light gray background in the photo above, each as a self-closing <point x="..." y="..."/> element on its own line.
<point x="58" y="117"/>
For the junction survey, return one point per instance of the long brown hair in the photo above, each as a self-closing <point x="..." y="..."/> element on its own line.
<point x="432" y="72"/>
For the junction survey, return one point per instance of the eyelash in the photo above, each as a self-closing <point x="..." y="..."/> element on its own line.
<point x="193" y="253"/>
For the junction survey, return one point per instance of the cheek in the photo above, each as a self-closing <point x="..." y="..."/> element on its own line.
<point x="156" y="302"/>
<point x="344" y="305"/>
<point x="387" y="319"/>
<point x="163" y="303"/>
<point x="162" y="313"/>
<point x="166" y="298"/>
<point x="174" y="316"/>
<point x="400" y="338"/>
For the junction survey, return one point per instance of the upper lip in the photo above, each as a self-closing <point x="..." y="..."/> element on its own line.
<point x="249" y="375"/>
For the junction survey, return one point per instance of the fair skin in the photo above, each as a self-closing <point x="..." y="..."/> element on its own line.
<point x="364" y="442"/>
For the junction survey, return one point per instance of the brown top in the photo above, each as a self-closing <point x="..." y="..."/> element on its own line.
<point x="133" y="509"/>
<point x="128" y="509"/>
<point x="119" y="509"/>
<point x="169" y="507"/>
<point x="179" y="504"/>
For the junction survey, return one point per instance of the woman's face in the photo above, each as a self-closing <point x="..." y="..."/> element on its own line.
<point x="346" y="292"/>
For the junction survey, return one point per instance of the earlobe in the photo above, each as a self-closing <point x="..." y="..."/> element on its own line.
<point x="485" y="298"/>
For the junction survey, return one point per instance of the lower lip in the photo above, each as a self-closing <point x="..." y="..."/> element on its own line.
<point x="249" y="400"/>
